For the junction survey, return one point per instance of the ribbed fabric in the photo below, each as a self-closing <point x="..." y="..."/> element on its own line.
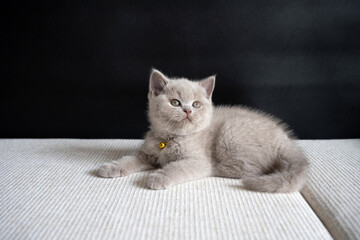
<point x="333" y="190"/>
<point x="48" y="191"/>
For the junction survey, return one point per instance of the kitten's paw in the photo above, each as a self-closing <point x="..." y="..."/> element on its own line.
<point x="110" y="170"/>
<point x="158" y="181"/>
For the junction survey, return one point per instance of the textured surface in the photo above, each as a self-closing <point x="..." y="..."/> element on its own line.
<point x="48" y="191"/>
<point x="333" y="189"/>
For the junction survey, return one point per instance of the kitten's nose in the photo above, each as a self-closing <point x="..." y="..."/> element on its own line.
<point x="188" y="111"/>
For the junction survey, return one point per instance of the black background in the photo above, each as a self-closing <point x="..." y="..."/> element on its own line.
<point x="80" y="69"/>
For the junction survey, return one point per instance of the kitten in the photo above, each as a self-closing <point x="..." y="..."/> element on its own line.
<point x="190" y="139"/>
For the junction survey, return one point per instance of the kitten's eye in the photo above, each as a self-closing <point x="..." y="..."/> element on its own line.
<point x="175" y="102"/>
<point x="196" y="104"/>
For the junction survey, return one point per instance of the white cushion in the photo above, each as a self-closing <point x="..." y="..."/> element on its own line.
<point x="48" y="191"/>
<point x="333" y="190"/>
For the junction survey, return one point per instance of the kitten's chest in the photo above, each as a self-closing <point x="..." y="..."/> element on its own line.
<point x="171" y="150"/>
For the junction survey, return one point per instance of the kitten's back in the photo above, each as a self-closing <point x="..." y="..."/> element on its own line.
<point x="258" y="148"/>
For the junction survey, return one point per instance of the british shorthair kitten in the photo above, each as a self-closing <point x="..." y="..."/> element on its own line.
<point x="189" y="139"/>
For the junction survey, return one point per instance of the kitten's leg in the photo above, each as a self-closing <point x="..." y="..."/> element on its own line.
<point x="124" y="166"/>
<point x="179" y="172"/>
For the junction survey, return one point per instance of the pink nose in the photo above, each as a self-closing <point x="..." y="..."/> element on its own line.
<point x="187" y="111"/>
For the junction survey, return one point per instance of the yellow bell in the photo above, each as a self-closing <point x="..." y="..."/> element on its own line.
<point x="162" y="145"/>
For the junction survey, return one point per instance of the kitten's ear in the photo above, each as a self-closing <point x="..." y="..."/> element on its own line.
<point x="157" y="82"/>
<point x="208" y="84"/>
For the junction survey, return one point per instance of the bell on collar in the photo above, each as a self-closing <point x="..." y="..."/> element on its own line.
<point x="162" y="145"/>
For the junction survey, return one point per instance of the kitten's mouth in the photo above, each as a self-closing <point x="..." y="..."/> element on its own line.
<point x="187" y="118"/>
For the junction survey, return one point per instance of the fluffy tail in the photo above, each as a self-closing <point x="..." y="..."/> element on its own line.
<point x="287" y="174"/>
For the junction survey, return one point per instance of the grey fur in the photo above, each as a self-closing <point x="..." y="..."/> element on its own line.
<point x="234" y="142"/>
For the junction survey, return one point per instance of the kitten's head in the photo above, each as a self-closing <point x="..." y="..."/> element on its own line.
<point x="179" y="106"/>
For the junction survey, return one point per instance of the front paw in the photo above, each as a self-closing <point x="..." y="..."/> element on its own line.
<point x="110" y="170"/>
<point x="158" y="181"/>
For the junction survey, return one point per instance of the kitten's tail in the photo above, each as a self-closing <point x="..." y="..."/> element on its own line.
<point x="288" y="174"/>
